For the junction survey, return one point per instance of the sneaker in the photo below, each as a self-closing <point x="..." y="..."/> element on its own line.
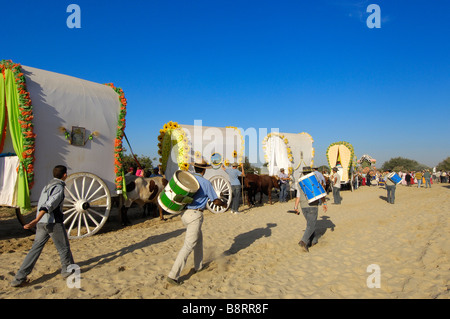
<point x="304" y="246"/>
<point x="201" y="269"/>
<point x="173" y="281"/>
<point x="17" y="282"/>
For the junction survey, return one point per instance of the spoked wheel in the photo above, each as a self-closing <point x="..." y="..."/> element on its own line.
<point x="223" y="191"/>
<point x="351" y="182"/>
<point x="87" y="204"/>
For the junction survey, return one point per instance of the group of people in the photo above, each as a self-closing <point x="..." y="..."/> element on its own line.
<point x="141" y="172"/>
<point x="49" y="217"/>
<point x="49" y="223"/>
<point x="424" y="177"/>
<point x="419" y="178"/>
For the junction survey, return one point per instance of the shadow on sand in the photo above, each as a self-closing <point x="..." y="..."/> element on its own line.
<point x="245" y="240"/>
<point x="93" y="262"/>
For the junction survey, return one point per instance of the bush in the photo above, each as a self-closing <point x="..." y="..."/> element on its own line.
<point x="403" y="164"/>
<point x="444" y="165"/>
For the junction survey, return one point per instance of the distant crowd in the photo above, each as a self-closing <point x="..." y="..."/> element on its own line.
<point x="419" y="178"/>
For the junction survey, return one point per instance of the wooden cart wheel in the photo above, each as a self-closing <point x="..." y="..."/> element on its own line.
<point x="87" y="204"/>
<point x="223" y="191"/>
<point x="351" y="182"/>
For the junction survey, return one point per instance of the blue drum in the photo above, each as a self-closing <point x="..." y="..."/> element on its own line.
<point x="311" y="187"/>
<point x="394" y="178"/>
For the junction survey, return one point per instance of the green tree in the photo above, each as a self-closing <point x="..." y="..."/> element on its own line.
<point x="403" y="164"/>
<point x="323" y="168"/>
<point x="444" y="165"/>
<point x="145" y="162"/>
<point x="249" y="168"/>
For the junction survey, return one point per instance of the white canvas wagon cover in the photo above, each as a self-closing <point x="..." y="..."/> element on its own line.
<point x="290" y="151"/>
<point x="63" y="105"/>
<point x="180" y="145"/>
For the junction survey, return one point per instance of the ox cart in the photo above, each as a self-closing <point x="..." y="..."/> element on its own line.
<point x="180" y="145"/>
<point x="342" y="156"/>
<point x="52" y="119"/>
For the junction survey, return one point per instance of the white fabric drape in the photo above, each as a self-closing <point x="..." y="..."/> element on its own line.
<point x="8" y="178"/>
<point x="278" y="155"/>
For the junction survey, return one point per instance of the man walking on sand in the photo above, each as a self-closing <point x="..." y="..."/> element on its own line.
<point x="192" y="218"/>
<point x="390" y="188"/>
<point x="310" y="212"/>
<point x="49" y="223"/>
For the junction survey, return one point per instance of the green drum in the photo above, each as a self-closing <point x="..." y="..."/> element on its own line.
<point x="179" y="192"/>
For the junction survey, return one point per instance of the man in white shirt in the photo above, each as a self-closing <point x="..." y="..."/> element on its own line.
<point x="336" y="179"/>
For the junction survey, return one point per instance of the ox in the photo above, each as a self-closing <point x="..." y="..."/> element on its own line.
<point x="142" y="191"/>
<point x="262" y="184"/>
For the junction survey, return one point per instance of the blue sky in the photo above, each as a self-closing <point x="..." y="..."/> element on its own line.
<point x="299" y="66"/>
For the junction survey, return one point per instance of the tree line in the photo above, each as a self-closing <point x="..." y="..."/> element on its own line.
<point x="405" y="164"/>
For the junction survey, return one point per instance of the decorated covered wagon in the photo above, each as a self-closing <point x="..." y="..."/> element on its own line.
<point x="367" y="159"/>
<point x="50" y="119"/>
<point x="180" y="145"/>
<point x="342" y="156"/>
<point x="290" y="151"/>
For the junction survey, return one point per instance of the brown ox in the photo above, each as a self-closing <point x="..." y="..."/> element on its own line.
<point x="267" y="183"/>
<point x="263" y="184"/>
<point x="252" y="186"/>
<point x="142" y="191"/>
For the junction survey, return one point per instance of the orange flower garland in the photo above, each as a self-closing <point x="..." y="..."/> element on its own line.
<point x="118" y="155"/>
<point x="25" y="118"/>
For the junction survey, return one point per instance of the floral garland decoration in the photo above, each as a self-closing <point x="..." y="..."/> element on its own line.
<point x="348" y="145"/>
<point x="235" y="153"/>
<point x="118" y="149"/>
<point x="313" y="151"/>
<point x="198" y="155"/>
<point x="284" y="139"/>
<point x="25" y="118"/>
<point x="171" y="135"/>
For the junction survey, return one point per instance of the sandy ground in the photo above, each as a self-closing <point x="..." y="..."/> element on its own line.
<point x="256" y="254"/>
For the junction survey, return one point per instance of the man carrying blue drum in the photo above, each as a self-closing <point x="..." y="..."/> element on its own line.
<point x="390" y="188"/>
<point x="310" y="212"/>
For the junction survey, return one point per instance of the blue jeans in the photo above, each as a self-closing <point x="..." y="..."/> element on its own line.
<point x="419" y="182"/>
<point x="283" y="192"/>
<point x="58" y="234"/>
<point x="390" y="193"/>
<point x="337" y="195"/>
<point x="427" y="182"/>
<point x="310" y="214"/>
<point x="236" y="197"/>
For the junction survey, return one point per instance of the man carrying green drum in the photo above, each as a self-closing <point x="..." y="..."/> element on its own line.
<point x="192" y="218"/>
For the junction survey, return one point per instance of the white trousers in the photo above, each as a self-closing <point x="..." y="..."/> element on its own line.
<point x="193" y="241"/>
